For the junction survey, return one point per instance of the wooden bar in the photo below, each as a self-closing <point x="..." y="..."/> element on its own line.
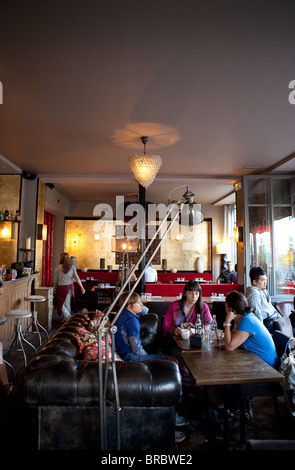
<point x="45" y="309"/>
<point x="12" y="298"/>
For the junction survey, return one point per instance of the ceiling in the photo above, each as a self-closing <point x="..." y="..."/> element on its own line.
<point x="206" y="81"/>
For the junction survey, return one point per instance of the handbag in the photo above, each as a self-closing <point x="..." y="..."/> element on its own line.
<point x="287" y="366"/>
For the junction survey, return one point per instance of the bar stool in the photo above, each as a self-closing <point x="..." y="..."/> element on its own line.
<point x="34" y="322"/>
<point x="3" y="320"/>
<point x="18" y="337"/>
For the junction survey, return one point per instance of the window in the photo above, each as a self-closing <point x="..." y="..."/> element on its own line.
<point x="270" y="224"/>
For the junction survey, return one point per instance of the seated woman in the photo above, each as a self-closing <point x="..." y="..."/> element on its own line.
<point x="181" y="311"/>
<point x="248" y="331"/>
<point x="186" y="309"/>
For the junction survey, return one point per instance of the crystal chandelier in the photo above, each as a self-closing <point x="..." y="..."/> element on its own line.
<point x="145" y="167"/>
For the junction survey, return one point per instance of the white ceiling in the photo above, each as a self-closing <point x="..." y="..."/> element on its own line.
<point x="206" y="81"/>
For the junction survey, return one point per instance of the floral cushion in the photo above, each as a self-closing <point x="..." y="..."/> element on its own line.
<point x="88" y="345"/>
<point x="96" y="321"/>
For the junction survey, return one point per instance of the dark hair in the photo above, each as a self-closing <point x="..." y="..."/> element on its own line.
<point x="256" y="272"/>
<point x="66" y="262"/>
<point x="191" y="286"/>
<point x="238" y="302"/>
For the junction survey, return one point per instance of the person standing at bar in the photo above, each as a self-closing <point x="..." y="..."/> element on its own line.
<point x="65" y="275"/>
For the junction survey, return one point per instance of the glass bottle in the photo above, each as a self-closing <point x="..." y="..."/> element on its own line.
<point x="213" y="330"/>
<point x="199" y="324"/>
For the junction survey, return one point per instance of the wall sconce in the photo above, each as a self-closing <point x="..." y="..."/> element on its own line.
<point x="238" y="234"/>
<point x="179" y="237"/>
<point x="42" y="232"/>
<point x="7" y="231"/>
<point x="237" y="186"/>
<point x="222" y="249"/>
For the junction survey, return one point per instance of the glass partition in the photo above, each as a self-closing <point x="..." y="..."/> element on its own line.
<point x="270" y="222"/>
<point x="283" y="235"/>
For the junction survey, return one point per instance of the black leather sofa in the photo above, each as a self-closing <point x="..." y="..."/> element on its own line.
<point x="60" y="391"/>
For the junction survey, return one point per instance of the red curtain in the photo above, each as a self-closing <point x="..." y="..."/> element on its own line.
<point x="47" y="251"/>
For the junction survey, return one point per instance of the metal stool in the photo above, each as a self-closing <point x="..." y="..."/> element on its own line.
<point x="3" y="320"/>
<point x="34" y="322"/>
<point x="18" y="337"/>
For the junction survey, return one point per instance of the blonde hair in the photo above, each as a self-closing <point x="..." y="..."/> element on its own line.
<point x="134" y="297"/>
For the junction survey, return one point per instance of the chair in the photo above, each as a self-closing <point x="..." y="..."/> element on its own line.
<point x="218" y="309"/>
<point x="17" y="338"/>
<point x="273" y="390"/>
<point x="284" y="307"/>
<point x="34" y="321"/>
<point x="280" y="340"/>
<point x="284" y="325"/>
<point x="159" y="308"/>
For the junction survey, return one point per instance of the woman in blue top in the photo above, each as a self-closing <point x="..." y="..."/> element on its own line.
<point x="248" y="332"/>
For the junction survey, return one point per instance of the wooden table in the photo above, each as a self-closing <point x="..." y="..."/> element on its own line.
<point x="220" y="367"/>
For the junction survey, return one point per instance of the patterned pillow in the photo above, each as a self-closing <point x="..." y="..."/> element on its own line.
<point x="96" y="321"/>
<point x="88" y="346"/>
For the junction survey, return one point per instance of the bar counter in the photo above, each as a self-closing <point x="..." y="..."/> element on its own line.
<point x="12" y="298"/>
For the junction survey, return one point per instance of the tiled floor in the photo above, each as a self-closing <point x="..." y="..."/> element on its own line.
<point x="203" y="433"/>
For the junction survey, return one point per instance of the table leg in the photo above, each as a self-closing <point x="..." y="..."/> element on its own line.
<point x="243" y="427"/>
<point x="225" y="418"/>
